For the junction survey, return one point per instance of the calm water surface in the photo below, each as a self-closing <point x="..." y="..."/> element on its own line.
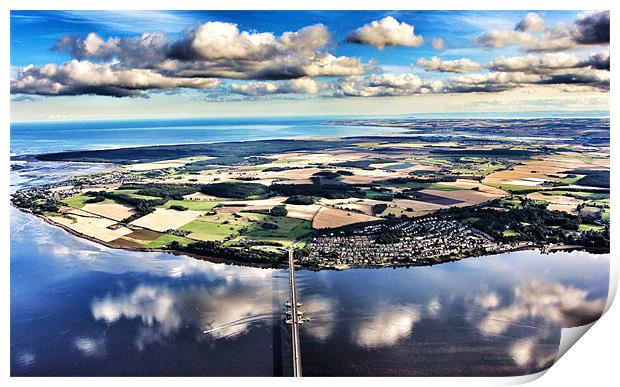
<point x="41" y="137"/>
<point x="79" y="308"/>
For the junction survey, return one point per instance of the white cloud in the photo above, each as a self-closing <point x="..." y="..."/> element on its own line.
<point x="463" y="65"/>
<point x="386" y="32"/>
<point x="379" y="85"/>
<point x="83" y="77"/>
<point x="531" y="22"/>
<point x="591" y="28"/>
<point x="293" y="86"/>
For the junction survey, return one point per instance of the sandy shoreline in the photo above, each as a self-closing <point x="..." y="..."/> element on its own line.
<point x="543" y="249"/>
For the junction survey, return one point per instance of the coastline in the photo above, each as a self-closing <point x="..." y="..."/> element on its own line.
<point x="284" y="265"/>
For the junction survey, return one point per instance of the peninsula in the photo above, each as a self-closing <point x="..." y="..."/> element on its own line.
<point x="441" y="190"/>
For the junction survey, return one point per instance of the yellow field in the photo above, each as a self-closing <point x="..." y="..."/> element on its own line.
<point x="90" y="225"/>
<point x="165" y="219"/>
<point x="113" y="210"/>
<point x="302" y="212"/>
<point x="332" y="217"/>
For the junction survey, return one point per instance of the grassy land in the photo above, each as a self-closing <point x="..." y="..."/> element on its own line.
<point x="510" y="233"/>
<point x="249" y="226"/>
<point x="570" y="180"/>
<point x="132" y="193"/>
<point x="515" y="188"/>
<point x="590" y="227"/>
<point x="578" y="194"/>
<point x="191" y="205"/>
<point x="166" y="239"/>
<point x="605" y="215"/>
<point x="77" y="201"/>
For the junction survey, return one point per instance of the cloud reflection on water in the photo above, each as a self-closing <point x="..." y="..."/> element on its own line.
<point x="225" y="311"/>
<point x="387" y="327"/>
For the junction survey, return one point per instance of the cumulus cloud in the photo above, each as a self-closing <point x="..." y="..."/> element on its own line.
<point x="438" y="44"/>
<point x="83" y="77"/>
<point x="531" y="22"/>
<point x="462" y="65"/>
<point x="386" y="32"/>
<point x="590" y="28"/>
<point x="549" y="63"/>
<point x="293" y="86"/>
<point x="380" y="85"/>
<point x="212" y="50"/>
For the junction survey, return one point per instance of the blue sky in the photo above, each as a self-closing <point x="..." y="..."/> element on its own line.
<point x="387" y="74"/>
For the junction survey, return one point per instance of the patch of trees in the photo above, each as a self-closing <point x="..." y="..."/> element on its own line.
<point x="317" y="188"/>
<point x="280" y="169"/>
<point x="593" y="178"/>
<point x="168" y="191"/>
<point x="387" y="237"/>
<point x="327" y="174"/>
<point x="234" y="190"/>
<point x="224" y="149"/>
<point x="269" y="226"/>
<point x="141" y="206"/>
<point x="379" y="208"/>
<point x="361" y="164"/>
<point x="37" y="204"/>
<point x="303" y="200"/>
<point x="278" y="211"/>
<point x="95" y="199"/>
<point x="216" y="250"/>
<point x="177" y="207"/>
<point x="202" y="165"/>
<point x="533" y="221"/>
<point x="405" y="180"/>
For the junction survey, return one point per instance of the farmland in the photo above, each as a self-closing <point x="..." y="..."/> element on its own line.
<point x="264" y="196"/>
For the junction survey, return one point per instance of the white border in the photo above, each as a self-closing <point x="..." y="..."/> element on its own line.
<point x="592" y="362"/>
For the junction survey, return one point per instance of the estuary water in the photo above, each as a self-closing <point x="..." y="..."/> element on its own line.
<point x="44" y="137"/>
<point x="79" y="308"/>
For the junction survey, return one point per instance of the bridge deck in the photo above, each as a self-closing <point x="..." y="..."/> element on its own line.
<point x="294" y="318"/>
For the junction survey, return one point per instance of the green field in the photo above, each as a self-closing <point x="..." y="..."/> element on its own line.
<point x="247" y="225"/>
<point x="590" y="227"/>
<point x="77" y="201"/>
<point x="132" y="193"/>
<point x="166" y="239"/>
<point x="510" y="233"/>
<point x="515" y="188"/>
<point x="605" y="215"/>
<point x="191" y="205"/>
<point x="578" y="194"/>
